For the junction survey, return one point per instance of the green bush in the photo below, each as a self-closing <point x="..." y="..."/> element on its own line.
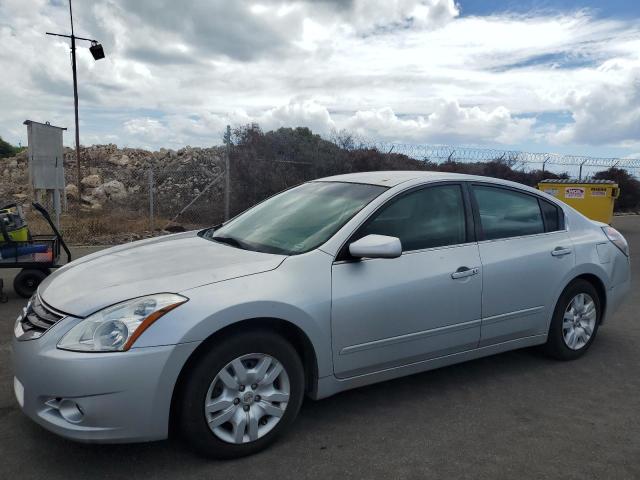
<point x="8" y="150"/>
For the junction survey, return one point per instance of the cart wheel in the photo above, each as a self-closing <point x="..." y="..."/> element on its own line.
<point x="27" y="281"/>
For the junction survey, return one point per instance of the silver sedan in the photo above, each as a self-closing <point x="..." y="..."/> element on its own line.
<point x="333" y="284"/>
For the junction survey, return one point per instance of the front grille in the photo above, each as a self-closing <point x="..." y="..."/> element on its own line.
<point x="37" y="319"/>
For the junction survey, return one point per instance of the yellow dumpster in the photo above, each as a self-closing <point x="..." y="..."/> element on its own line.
<point x="592" y="198"/>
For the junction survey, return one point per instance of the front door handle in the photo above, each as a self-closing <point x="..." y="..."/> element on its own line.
<point x="463" y="272"/>
<point x="560" y="251"/>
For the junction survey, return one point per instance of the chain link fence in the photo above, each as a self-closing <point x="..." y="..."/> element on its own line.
<point x="129" y="194"/>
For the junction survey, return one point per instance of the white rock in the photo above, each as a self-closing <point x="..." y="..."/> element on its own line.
<point x="91" y="202"/>
<point x="120" y="160"/>
<point x="91" y="181"/>
<point x="98" y="193"/>
<point x="114" y="189"/>
<point x="71" y="191"/>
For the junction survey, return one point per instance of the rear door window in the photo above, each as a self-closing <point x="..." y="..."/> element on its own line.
<point x="506" y="213"/>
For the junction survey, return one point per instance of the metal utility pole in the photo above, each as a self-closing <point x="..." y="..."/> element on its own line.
<point x="75" y="104"/>
<point x="227" y="173"/>
<point x="580" y="173"/>
<point x="98" y="53"/>
<point x="151" y="201"/>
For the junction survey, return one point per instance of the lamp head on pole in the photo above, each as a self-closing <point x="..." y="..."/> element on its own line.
<point x="96" y="50"/>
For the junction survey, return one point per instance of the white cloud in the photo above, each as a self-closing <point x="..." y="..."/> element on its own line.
<point x="147" y="129"/>
<point x="298" y="112"/>
<point x="608" y="113"/>
<point x="448" y="123"/>
<point x="407" y="70"/>
<point x="365" y="16"/>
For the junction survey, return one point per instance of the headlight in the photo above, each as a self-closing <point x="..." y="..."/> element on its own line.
<point x="116" y="328"/>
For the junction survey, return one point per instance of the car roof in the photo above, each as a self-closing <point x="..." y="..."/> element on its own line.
<point x="396" y="177"/>
<point x="393" y="178"/>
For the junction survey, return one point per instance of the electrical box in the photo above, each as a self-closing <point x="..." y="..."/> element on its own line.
<point x="46" y="156"/>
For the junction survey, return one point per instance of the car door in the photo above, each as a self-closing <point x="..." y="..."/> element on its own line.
<point x="526" y="254"/>
<point x="423" y="304"/>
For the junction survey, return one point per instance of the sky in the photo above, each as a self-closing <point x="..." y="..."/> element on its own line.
<point x="534" y="75"/>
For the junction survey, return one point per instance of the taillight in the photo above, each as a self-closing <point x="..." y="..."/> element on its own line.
<point x="617" y="239"/>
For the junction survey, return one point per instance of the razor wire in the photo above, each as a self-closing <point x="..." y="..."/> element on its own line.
<point x="441" y="153"/>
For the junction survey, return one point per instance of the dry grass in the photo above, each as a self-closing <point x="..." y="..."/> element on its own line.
<point x="93" y="228"/>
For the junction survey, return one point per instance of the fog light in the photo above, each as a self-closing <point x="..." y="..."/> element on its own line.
<point x="68" y="409"/>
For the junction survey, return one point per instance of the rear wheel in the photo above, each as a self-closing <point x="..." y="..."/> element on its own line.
<point x="27" y="280"/>
<point x="241" y="395"/>
<point x="575" y="321"/>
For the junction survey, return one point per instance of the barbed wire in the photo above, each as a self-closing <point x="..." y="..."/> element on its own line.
<point x="439" y="153"/>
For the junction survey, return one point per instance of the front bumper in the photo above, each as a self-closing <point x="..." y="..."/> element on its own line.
<point x="120" y="396"/>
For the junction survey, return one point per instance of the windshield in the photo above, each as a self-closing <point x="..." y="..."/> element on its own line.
<point x="297" y="220"/>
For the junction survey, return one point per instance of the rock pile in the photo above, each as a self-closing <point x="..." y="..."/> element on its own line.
<point x="121" y="177"/>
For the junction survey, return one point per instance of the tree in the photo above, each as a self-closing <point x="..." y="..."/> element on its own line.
<point x="6" y="149"/>
<point x="629" y="198"/>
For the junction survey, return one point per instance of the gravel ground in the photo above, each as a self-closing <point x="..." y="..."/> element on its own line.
<point x="518" y="414"/>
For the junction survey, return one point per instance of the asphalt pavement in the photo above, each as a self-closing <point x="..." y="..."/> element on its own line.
<point x="514" y="415"/>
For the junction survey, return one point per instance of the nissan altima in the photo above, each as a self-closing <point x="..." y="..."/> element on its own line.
<point x="340" y="282"/>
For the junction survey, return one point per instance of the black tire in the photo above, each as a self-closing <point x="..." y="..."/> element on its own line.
<point x="192" y="422"/>
<point x="27" y="280"/>
<point x="556" y="345"/>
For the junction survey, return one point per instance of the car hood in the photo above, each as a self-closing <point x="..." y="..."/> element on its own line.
<point x="167" y="264"/>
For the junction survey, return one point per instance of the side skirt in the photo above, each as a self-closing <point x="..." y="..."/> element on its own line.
<point x="331" y="385"/>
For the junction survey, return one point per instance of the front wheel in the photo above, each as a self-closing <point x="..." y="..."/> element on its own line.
<point x="242" y="394"/>
<point x="575" y="321"/>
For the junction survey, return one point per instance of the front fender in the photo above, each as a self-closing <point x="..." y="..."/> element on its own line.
<point x="287" y="293"/>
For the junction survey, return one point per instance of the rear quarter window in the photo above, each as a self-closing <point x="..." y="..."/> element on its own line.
<point x="552" y="215"/>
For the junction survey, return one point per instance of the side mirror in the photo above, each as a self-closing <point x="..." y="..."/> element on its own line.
<point x="376" y="246"/>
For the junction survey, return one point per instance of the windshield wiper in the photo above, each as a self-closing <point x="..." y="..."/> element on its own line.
<point x="234" y="242"/>
<point x="208" y="232"/>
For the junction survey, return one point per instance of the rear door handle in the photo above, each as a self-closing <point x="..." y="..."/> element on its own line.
<point x="560" y="251"/>
<point x="463" y="272"/>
